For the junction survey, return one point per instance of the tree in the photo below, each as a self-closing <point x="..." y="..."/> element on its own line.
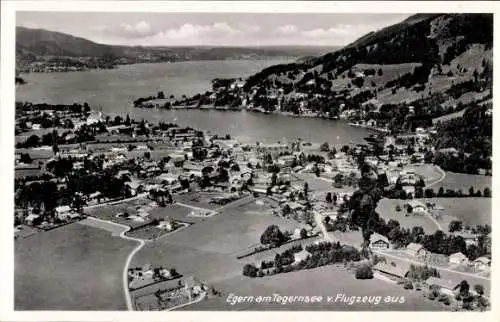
<point x="464" y="289"/>
<point x="487" y="192"/>
<point x="303" y="233"/>
<point x="471" y="191"/>
<point x="25" y="158"/>
<point x="364" y="272"/>
<point x="455" y="225"/>
<point x="272" y="236"/>
<point x="324" y="147"/>
<point x="250" y="270"/>
<point x="380" y="72"/>
<point x="479" y="289"/>
<point x="329" y="197"/>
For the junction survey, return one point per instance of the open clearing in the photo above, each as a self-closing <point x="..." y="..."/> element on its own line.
<point x="75" y="267"/>
<point x="109" y="212"/>
<point x="115" y="230"/>
<point x="463" y="181"/>
<point x="472" y="211"/>
<point x="387" y="210"/>
<point x="429" y="172"/>
<point x="323" y="281"/>
<point x="208" y="249"/>
<point x="175" y="212"/>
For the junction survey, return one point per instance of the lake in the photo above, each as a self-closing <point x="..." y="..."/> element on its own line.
<point x="114" y="90"/>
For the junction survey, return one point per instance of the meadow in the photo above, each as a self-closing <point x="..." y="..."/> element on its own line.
<point x="208" y="249"/>
<point x="75" y="267"/>
<point x="472" y="211"/>
<point x="387" y="210"/>
<point x="323" y="281"/>
<point x="463" y="181"/>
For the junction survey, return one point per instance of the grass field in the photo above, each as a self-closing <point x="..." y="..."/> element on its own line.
<point x="429" y="172"/>
<point x="75" y="267"/>
<point x="387" y="210"/>
<point x="113" y="229"/>
<point x="324" y="281"/>
<point x="463" y="181"/>
<point x="208" y="249"/>
<point x="109" y="212"/>
<point x="22" y="173"/>
<point x="472" y="211"/>
<point x="175" y="212"/>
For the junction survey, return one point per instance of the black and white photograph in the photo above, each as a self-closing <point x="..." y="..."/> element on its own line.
<point x="249" y="161"/>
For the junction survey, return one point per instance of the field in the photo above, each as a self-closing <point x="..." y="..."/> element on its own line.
<point x="472" y="211"/>
<point x="208" y="249"/>
<point x="75" y="267"/>
<point x="198" y="199"/>
<point x="175" y="212"/>
<point x="324" y="281"/>
<point x="429" y="172"/>
<point x="109" y="212"/>
<point x="22" y="173"/>
<point x="463" y="181"/>
<point x="387" y="210"/>
<point x="112" y="228"/>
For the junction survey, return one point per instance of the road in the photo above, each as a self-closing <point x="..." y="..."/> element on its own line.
<point x="319" y="222"/>
<point x="437" y="267"/>
<point x="443" y="175"/>
<point x="127" y="262"/>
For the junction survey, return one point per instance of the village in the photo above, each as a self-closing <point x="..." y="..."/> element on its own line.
<point x="77" y="165"/>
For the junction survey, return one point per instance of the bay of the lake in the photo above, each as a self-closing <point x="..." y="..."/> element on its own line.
<point x="113" y="91"/>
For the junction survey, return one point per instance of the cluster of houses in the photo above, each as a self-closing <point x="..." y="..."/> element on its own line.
<point x="418" y="252"/>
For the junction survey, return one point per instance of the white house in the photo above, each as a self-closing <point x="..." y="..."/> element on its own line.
<point x="458" y="258"/>
<point x="417" y="207"/>
<point x="416" y="250"/>
<point x="482" y="263"/>
<point x="62" y="212"/>
<point x="301" y="256"/>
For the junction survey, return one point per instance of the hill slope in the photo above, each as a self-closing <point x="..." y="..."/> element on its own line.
<point x="439" y="62"/>
<point x="39" y="44"/>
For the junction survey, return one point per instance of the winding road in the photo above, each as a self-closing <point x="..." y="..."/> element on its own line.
<point x="129" y="258"/>
<point x="443" y="175"/>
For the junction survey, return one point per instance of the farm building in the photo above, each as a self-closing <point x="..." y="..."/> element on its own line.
<point x="379" y="241"/>
<point x="391" y="271"/>
<point x="458" y="258"/>
<point x="416" y="250"/>
<point x="418" y="207"/>
<point x="482" y="263"/>
<point x="447" y="287"/>
<point x="302" y="255"/>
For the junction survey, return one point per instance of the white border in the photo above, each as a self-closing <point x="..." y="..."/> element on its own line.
<point x="8" y="11"/>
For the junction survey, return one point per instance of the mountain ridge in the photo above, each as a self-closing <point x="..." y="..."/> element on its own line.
<point x="38" y="44"/>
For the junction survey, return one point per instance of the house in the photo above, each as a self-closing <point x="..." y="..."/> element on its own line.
<point x="446" y="286"/>
<point x="409" y="190"/>
<point x="482" y="263"/>
<point x="301" y="256"/>
<point x="379" y="241"/>
<point x="458" y="258"/>
<point x="391" y="271"/>
<point x="416" y="250"/>
<point x="62" y="212"/>
<point x="417" y="207"/>
<point x="135" y="187"/>
<point x="32" y="219"/>
<point x="166" y="225"/>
